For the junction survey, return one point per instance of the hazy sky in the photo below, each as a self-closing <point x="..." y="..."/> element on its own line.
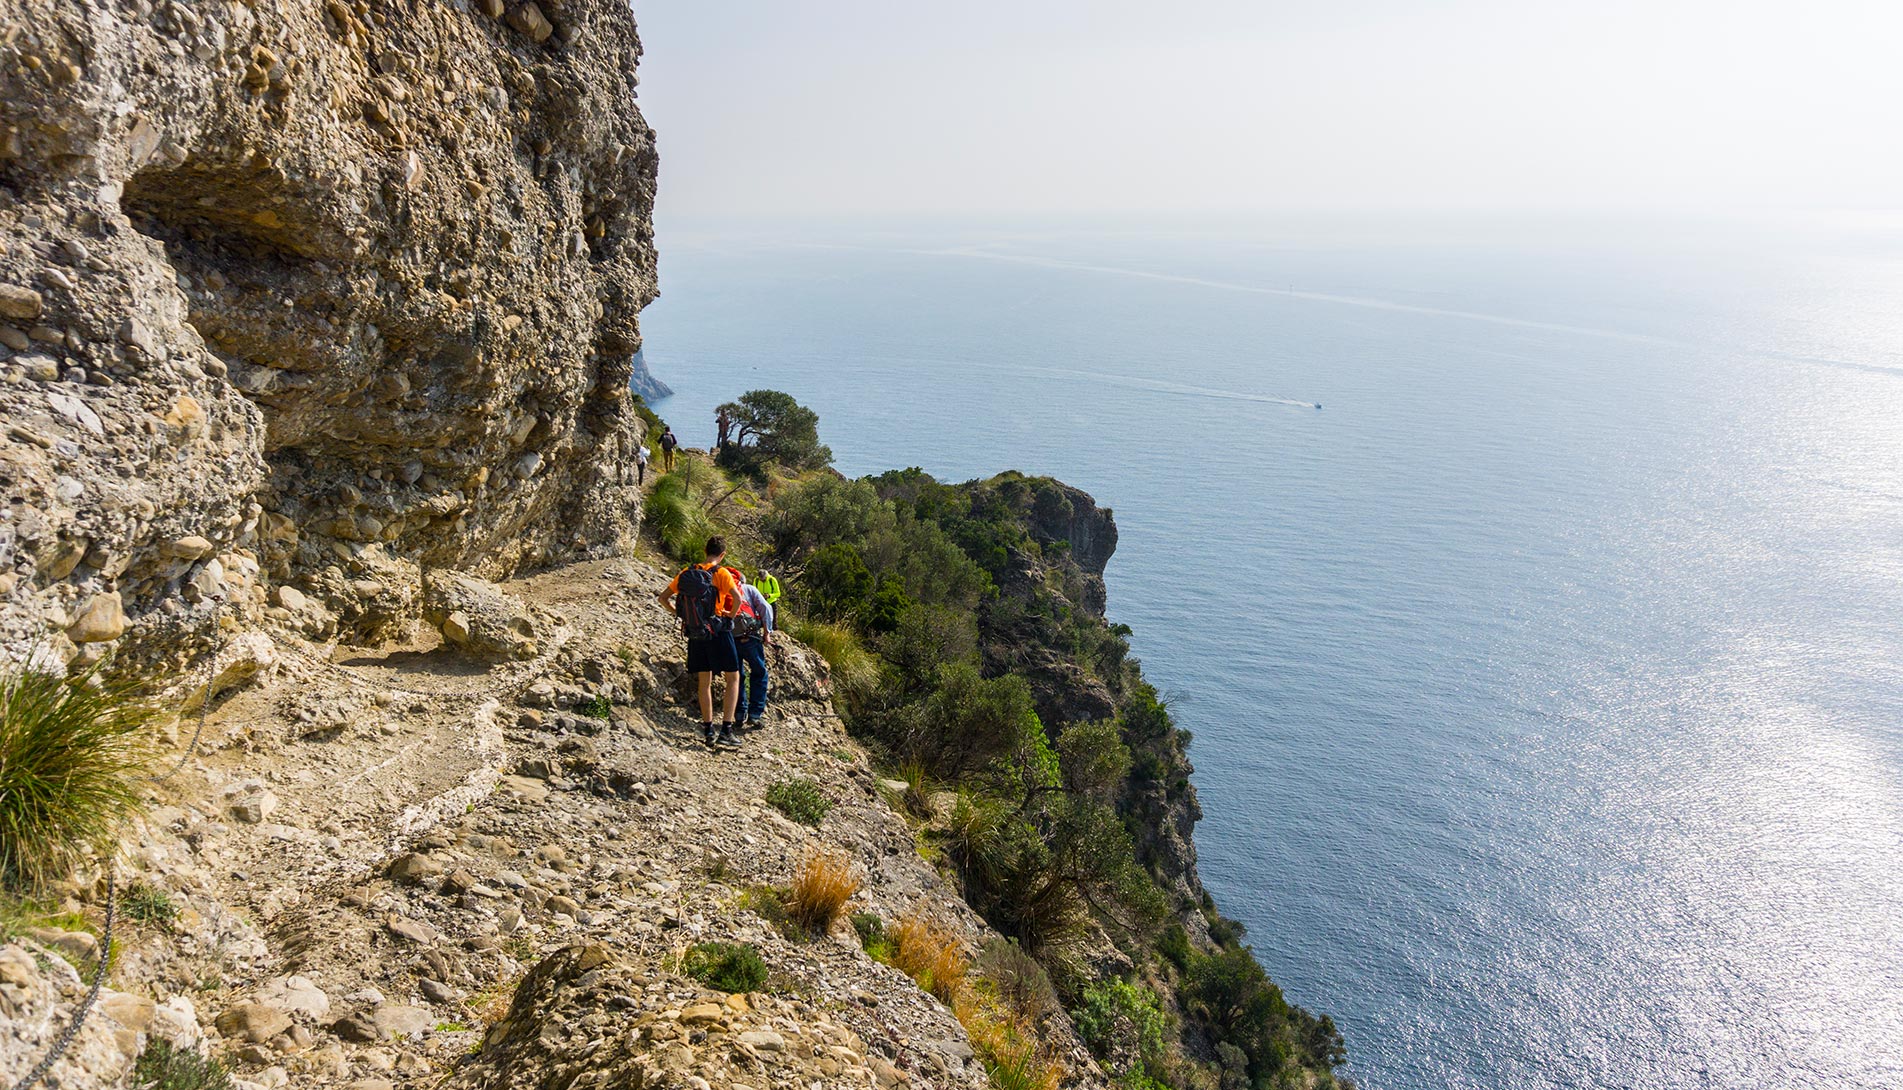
<point x="985" y="106"/>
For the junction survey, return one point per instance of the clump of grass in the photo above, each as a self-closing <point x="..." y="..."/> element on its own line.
<point x="916" y="799"/>
<point x="930" y="955"/>
<point x="1021" y="983"/>
<point x="491" y="1005"/>
<point x="872" y="936"/>
<point x="854" y="668"/>
<point x="163" y="1067"/>
<point x="674" y="512"/>
<point x="799" y="799"/>
<point x="772" y="906"/>
<point x="148" y="904"/>
<point x="1007" y="1044"/>
<point x="597" y="706"/>
<point x="821" y="889"/>
<point x="728" y="966"/>
<point x="72" y="757"/>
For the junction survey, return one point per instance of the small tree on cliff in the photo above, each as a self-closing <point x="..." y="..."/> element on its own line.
<point x="770" y="426"/>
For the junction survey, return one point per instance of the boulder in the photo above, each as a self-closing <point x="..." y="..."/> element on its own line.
<point x="253" y="1022"/>
<point x="478" y="616"/>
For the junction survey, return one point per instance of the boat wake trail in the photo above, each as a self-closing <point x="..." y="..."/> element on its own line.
<point x="1162" y="387"/>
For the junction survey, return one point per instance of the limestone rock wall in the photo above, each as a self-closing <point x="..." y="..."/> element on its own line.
<point x="300" y="296"/>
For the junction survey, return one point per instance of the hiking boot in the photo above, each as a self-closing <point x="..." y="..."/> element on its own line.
<point x="707" y="732"/>
<point x="727" y="737"/>
<point x="756" y="722"/>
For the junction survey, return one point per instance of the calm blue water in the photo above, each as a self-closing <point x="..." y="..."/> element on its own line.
<point x="1548" y="701"/>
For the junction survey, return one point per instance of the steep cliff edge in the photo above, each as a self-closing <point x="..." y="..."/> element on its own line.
<point x="308" y="295"/>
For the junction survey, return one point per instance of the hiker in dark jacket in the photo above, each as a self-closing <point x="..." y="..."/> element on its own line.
<point x="710" y="648"/>
<point x="668" y="443"/>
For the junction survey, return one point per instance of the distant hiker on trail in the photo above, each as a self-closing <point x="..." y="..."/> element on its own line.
<point x="703" y="597"/>
<point x="641" y="464"/>
<point x="752" y="631"/>
<point x="724" y="420"/>
<point x="668" y="443"/>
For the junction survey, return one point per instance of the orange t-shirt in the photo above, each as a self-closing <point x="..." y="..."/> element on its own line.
<point x="723" y="588"/>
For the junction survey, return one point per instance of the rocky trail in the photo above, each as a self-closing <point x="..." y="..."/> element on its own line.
<point x="373" y="846"/>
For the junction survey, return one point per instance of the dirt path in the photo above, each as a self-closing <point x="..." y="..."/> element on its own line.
<point x="378" y="843"/>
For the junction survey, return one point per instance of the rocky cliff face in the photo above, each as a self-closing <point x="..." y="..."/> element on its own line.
<point x="300" y="296"/>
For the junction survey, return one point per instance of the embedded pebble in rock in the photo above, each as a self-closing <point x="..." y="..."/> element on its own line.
<point x="101" y="619"/>
<point x="414" y="867"/>
<point x="18" y="302"/>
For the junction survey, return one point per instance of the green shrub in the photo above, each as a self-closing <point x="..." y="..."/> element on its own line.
<point x="148" y="904"/>
<point x="162" y="1067"/>
<point x="835" y="584"/>
<point x="597" y="706"/>
<point x="872" y="936"/>
<point x="1094" y="759"/>
<point x="772" y="905"/>
<point x="1236" y="999"/>
<point x="926" y="638"/>
<point x="728" y="966"/>
<point x="72" y="759"/>
<point x="971" y="724"/>
<point x="799" y="799"/>
<point x="1115" y="1017"/>
<point x="1174" y="945"/>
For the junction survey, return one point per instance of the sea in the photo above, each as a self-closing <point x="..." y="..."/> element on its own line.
<point x="1546" y="664"/>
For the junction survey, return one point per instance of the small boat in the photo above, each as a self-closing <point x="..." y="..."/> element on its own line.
<point x="1318" y="404"/>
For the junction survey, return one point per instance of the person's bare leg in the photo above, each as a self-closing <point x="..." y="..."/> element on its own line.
<point x="706" y="696"/>
<point x="730" y="695"/>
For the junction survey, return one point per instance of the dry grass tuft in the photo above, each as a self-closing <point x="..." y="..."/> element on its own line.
<point x="1013" y="1056"/>
<point x="929" y="954"/>
<point x="1004" y="1033"/>
<point x="821" y="889"/>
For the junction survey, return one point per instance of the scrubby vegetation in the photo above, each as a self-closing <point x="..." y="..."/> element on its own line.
<point x="145" y="903"/>
<point x="72" y="757"/>
<point x="799" y="799"/>
<point x="163" y="1067"/>
<point x="968" y="649"/>
<point x="728" y="966"/>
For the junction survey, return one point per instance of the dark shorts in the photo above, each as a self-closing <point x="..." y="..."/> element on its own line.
<point x="717" y="655"/>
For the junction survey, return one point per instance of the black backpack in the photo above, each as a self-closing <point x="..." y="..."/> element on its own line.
<point x="694" y="603"/>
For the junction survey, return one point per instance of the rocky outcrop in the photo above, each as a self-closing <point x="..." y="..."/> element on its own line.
<point x="585" y="1017"/>
<point x="304" y="294"/>
<point x="644" y="384"/>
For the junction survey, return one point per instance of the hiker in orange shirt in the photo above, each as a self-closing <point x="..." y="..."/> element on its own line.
<point x="702" y="596"/>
